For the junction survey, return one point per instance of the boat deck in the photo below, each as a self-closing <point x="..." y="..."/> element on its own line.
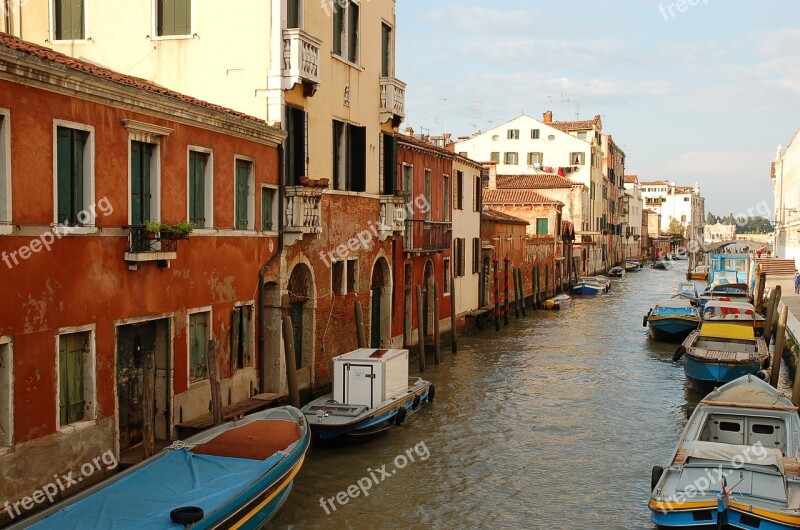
<point x="230" y="413"/>
<point x="723" y="356"/>
<point x="791" y="466"/>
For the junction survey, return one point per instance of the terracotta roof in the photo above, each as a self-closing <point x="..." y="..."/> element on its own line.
<point x="423" y="144"/>
<point x="655" y="183"/>
<point x="49" y="56"/>
<point x="648" y="210"/>
<point x="541" y="181"/>
<point x="684" y="189"/>
<point x="516" y="197"/>
<point x="575" y="125"/>
<point x="500" y="217"/>
<point x="631" y="179"/>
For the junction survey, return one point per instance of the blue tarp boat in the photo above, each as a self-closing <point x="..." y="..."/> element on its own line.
<point x="237" y="475"/>
<point x="672" y="319"/>
<point x="590" y="285"/>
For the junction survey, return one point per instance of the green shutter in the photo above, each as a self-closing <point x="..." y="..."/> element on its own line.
<point x="197" y="189"/>
<point x="69" y="19"/>
<point x="542" y="227"/>
<point x="198" y="343"/>
<point x="236" y="346"/>
<point x="183" y="17"/>
<point x="64" y="174"/>
<point x="78" y="145"/>
<point x="242" y="193"/>
<point x="141" y="154"/>
<point x="72" y="349"/>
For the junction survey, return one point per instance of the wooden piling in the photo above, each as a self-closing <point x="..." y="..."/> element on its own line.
<point x="361" y="338"/>
<point x="535" y="286"/>
<point x="760" y="287"/>
<point x="522" y="291"/>
<point x="420" y="329"/>
<point x="505" y="292"/>
<point x="516" y="293"/>
<point x="453" y="317"/>
<point x="496" y="295"/>
<point x="289" y="357"/>
<point x="774" y="299"/>
<point x="149" y="403"/>
<point x="780" y="340"/>
<point x="437" y="344"/>
<point x="212" y="365"/>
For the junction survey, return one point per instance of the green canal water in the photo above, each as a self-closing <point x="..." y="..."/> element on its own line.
<point x="555" y="422"/>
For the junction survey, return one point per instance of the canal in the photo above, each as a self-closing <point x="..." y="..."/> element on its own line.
<point x="555" y="422"/>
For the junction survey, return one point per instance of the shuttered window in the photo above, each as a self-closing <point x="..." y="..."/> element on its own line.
<point x="293" y="14"/>
<point x="6" y="393"/>
<point x="198" y="345"/>
<point x="459" y="202"/>
<point x="173" y="17"/>
<point x="267" y="200"/>
<point x="476" y="255"/>
<point x="141" y="197"/>
<point x="69" y="20"/>
<point x="542" y="227"/>
<point x="242" y="337"/>
<point x="345" y="30"/>
<point x="386" y="50"/>
<point x="198" y="167"/>
<point x="352" y="31"/>
<point x="244" y="170"/>
<point x="349" y="157"/>
<point x="71" y="174"/>
<point x="459" y="255"/>
<point x="446" y="195"/>
<point x="73" y="353"/>
<point x="477" y="193"/>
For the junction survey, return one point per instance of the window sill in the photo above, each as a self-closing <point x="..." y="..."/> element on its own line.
<point x="72" y="428"/>
<point x="6" y="230"/>
<point x="171" y="37"/>
<point x="348" y="63"/>
<point x="74" y="230"/>
<point x="71" y="41"/>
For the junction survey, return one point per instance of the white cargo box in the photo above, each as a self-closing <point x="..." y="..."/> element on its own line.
<point x="369" y="377"/>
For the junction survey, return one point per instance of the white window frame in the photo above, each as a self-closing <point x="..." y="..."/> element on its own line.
<point x="285" y="10"/>
<point x="154" y="21"/>
<point x="89" y="379"/>
<point x="506" y="158"/>
<point x="5" y="172"/>
<point x="346" y="44"/>
<point x="7" y="349"/>
<point x="89" y="172"/>
<point x="151" y="134"/>
<point x="512" y="134"/>
<point x="252" y="325"/>
<point x="251" y="193"/>
<point x="209" y="198"/>
<point x="209" y="336"/>
<point x="275" y="212"/>
<point x="86" y="35"/>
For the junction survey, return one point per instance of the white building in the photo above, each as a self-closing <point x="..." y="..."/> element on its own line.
<point x="467" y="190"/>
<point x="719" y="232"/>
<point x="681" y="203"/>
<point x="632" y="205"/>
<point x="786" y="183"/>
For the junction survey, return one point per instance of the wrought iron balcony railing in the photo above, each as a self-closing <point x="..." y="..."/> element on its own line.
<point x="428" y="236"/>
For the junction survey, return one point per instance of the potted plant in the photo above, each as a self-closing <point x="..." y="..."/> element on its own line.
<point x="151" y="229"/>
<point x="178" y="231"/>
<point x="304" y="180"/>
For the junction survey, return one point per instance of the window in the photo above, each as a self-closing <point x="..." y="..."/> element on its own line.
<point x="173" y="18"/>
<point x="389" y="164"/>
<point x="267" y="209"/>
<point x="577" y="159"/>
<point x="5" y="170"/>
<point x="386" y="51"/>
<point x="534" y="134"/>
<point x="542" y="227"/>
<point x="476" y="196"/>
<point x="352" y="275"/>
<point x="512" y="159"/>
<point x="242" y="337"/>
<point x="513" y="134"/>
<point x="408" y="179"/>
<point x="6" y="393"/>
<point x="535" y="158"/>
<point x="144" y="182"/>
<point x="75" y="377"/>
<point x="349" y="156"/>
<point x="337" y="276"/>
<point x="200" y="189"/>
<point x="69" y="20"/>
<point x="464" y="154"/>
<point x="459" y="190"/>
<point x="686" y="199"/>
<point x="296" y="145"/>
<point x="428" y="199"/>
<point x="494" y="157"/>
<point x="459" y="257"/>
<point x="683" y="219"/>
<point x="74" y="176"/>
<point x="293" y="13"/>
<point x="582" y="135"/>
<point x="244" y="195"/>
<point x="446" y="196"/>
<point x="345" y="30"/>
<point x="476" y="255"/>
<point x="446" y="267"/>
<point x="199" y="335"/>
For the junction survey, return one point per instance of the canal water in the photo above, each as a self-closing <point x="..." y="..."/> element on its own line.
<point x="555" y="422"/>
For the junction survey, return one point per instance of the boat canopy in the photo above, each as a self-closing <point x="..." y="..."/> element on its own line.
<point x="717" y="309"/>
<point x="749" y="391"/>
<point x="728" y="330"/>
<point x="762" y="456"/>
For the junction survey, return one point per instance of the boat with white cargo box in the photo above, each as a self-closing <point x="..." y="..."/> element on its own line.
<point x="372" y="392"/>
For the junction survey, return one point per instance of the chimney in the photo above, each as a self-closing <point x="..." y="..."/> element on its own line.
<point x="548" y="116"/>
<point x="492" y="175"/>
<point x="409" y="131"/>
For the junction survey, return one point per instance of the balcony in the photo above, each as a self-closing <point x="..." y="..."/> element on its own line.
<point x="393" y="100"/>
<point x="144" y="247"/>
<point x="427" y="237"/>
<point x="301" y="58"/>
<point x="302" y="213"/>
<point x="393" y="215"/>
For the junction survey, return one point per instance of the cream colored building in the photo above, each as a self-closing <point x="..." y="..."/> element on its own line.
<point x="467" y="225"/>
<point x="786" y="184"/>
<point x="632" y="216"/>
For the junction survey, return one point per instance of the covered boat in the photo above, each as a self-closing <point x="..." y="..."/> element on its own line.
<point x="688" y="291"/>
<point x="236" y="475"/>
<point x="590" y="285"/>
<point x="736" y="463"/>
<point x="660" y="264"/>
<point x="371" y="393"/>
<point x="633" y="264"/>
<point x="727" y="311"/>
<point x="559" y="302"/>
<point x="698" y="273"/>
<point x="721" y="352"/>
<point x="672" y="319"/>
<point x="617" y="272"/>
<point x="728" y="292"/>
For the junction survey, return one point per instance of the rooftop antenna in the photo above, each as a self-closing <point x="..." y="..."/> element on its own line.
<point x="445" y="115"/>
<point x="577" y="111"/>
<point x="566" y="99"/>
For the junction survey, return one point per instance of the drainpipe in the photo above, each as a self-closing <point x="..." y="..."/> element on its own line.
<point x="262" y="319"/>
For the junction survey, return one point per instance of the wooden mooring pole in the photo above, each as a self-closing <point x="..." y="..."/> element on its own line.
<point x="437" y="344"/>
<point x="453" y="317"/>
<point x="212" y="365"/>
<point x="360" y="335"/>
<point x="420" y="329"/>
<point x="772" y="307"/>
<point x="149" y="402"/>
<point x="289" y="357"/>
<point x="516" y="293"/>
<point x="505" y="291"/>
<point x="521" y="291"/>
<point x="780" y="340"/>
<point x="496" y="295"/>
<point x="761" y="284"/>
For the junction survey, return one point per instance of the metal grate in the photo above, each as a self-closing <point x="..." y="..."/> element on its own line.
<point x="299" y="284"/>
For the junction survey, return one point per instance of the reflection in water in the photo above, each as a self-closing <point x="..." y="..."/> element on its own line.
<point x="554" y="422"/>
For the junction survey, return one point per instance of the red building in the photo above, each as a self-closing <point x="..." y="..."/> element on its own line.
<point x="428" y="247"/>
<point x="87" y="157"/>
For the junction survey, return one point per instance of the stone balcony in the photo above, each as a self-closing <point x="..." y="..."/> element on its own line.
<point x="302" y="212"/>
<point x="393" y="215"/>
<point x="393" y="100"/>
<point x="301" y="60"/>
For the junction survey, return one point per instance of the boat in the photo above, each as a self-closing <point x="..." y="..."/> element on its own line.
<point x="562" y="301"/>
<point x="604" y="280"/>
<point x="590" y="285"/>
<point x="633" y="264"/>
<point x="736" y="464"/>
<point x="728" y="259"/>
<point x="660" y="264"/>
<point x="698" y="273"/>
<point x="235" y="475"/>
<point x="617" y="272"/>
<point x="672" y="319"/>
<point x="371" y="394"/>
<point x="721" y="351"/>
<point x="688" y="291"/>
<point x="730" y="292"/>
<point x="723" y="310"/>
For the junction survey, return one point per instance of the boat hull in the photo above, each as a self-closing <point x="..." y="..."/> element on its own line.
<point x="672" y="328"/>
<point x="704" y="375"/>
<point x="705" y="518"/>
<point x="589" y="290"/>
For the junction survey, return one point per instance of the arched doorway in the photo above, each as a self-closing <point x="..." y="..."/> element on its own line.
<point x="427" y="298"/>
<point x="380" y="305"/>
<point x="301" y="312"/>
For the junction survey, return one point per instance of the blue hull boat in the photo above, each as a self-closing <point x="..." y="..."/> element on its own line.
<point x="704" y="376"/>
<point x="591" y="286"/>
<point x="236" y="475"/>
<point x="672" y="319"/>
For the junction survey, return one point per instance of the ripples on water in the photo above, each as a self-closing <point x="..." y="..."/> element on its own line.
<point x="555" y="422"/>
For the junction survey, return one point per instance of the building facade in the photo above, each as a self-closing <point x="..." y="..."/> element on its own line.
<point x="632" y="217"/>
<point x="682" y="204"/>
<point x="467" y="190"/>
<point x="786" y="185"/>
<point x="719" y="232"/>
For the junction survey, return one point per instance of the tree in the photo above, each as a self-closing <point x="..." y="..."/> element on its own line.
<point x="676" y="228"/>
<point x="756" y="225"/>
<point x="711" y="219"/>
<point x="730" y="220"/>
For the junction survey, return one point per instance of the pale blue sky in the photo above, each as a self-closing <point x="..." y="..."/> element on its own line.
<point x="705" y="95"/>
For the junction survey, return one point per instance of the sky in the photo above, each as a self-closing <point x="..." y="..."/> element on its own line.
<point x="702" y="95"/>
